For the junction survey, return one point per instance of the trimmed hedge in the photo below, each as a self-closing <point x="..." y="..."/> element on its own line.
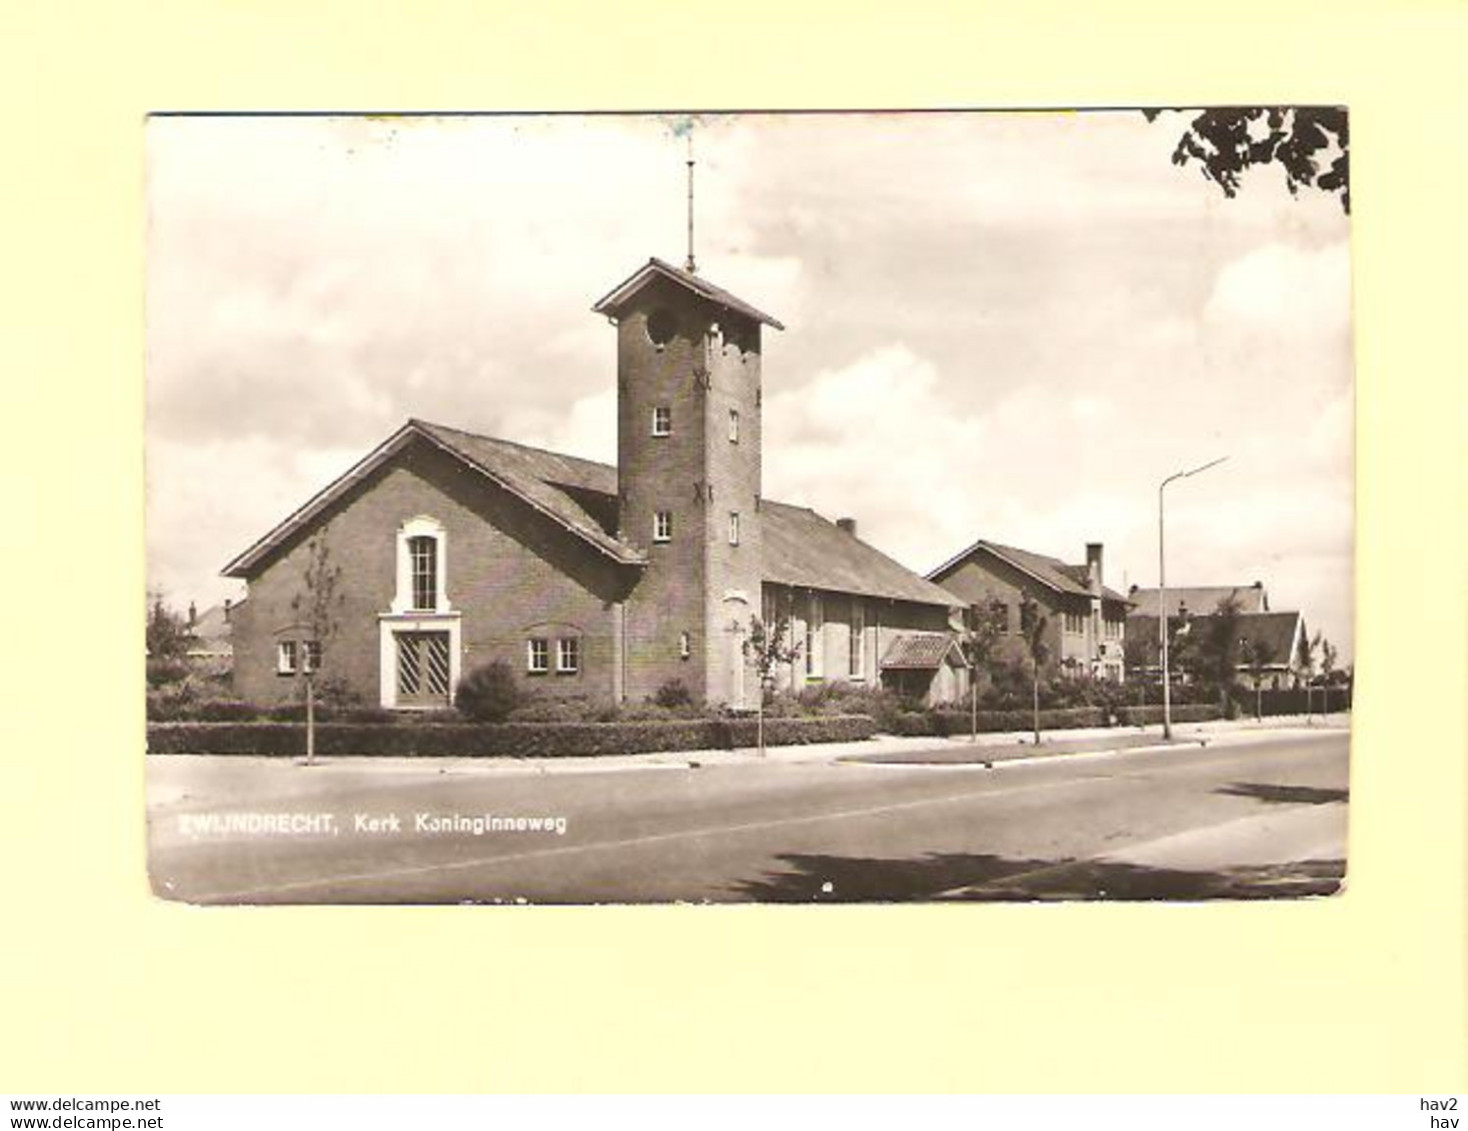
<point x="515" y="740"/>
<point x="1181" y="713"/>
<point x="943" y="723"/>
<point x="1293" y="701"/>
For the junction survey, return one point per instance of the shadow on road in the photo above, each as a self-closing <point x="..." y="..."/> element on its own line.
<point x="1285" y="794"/>
<point x="990" y="878"/>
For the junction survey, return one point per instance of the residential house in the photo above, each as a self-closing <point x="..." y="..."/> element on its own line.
<point x="209" y="638"/>
<point x="1277" y="632"/>
<point x="1085" y="622"/>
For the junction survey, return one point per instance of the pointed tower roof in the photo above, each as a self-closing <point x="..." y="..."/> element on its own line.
<point x="616" y="301"/>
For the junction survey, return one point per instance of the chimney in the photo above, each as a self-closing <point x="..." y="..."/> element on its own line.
<point x="193" y="615"/>
<point x="1093" y="567"/>
<point x="227" y="604"/>
<point x="848" y="525"/>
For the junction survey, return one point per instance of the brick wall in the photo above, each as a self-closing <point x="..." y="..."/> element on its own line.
<point x="885" y="621"/>
<point x="662" y="473"/>
<point x="693" y="583"/>
<point x="508" y="571"/>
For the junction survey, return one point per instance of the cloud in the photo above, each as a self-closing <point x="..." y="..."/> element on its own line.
<point x="1285" y="289"/>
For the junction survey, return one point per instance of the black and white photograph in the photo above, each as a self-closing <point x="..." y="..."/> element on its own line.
<point x="800" y="507"/>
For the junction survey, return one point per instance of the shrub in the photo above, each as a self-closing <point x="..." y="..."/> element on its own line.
<point x="551" y="709"/>
<point x="835" y="698"/>
<point x="296" y="713"/>
<point x="163" y="670"/>
<point x="374" y="716"/>
<point x="223" y="710"/>
<point x="674" y="693"/>
<point x="488" y="693"/>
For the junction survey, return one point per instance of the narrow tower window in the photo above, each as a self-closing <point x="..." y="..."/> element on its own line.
<point x="733" y="426"/>
<point x="685" y="645"/>
<point x="662" y="421"/>
<point x="662" y="526"/>
<point x="733" y="528"/>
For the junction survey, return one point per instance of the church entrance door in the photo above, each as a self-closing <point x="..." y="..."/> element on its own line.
<point x="423" y="669"/>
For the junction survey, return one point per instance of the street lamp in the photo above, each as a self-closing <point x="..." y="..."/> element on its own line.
<point x="1162" y="593"/>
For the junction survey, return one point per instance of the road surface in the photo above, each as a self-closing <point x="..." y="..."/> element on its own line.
<point x="1249" y="816"/>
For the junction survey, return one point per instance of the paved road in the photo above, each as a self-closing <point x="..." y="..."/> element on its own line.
<point x="1245" y="817"/>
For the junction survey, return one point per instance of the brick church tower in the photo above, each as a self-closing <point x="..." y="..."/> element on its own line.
<point x="688" y="468"/>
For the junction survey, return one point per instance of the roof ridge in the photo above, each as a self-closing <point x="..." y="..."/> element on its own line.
<point x="512" y="444"/>
<point x="1048" y="558"/>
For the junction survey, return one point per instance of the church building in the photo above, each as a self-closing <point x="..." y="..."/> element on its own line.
<point x="455" y="549"/>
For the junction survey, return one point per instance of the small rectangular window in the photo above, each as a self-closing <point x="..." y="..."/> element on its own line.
<point x="733" y="426"/>
<point x="662" y="526"/>
<point x="311" y="656"/>
<point x="568" y="655"/>
<point x="733" y="528"/>
<point x="662" y="420"/>
<point x="537" y="656"/>
<point x="285" y="657"/>
<point x="685" y="645"/>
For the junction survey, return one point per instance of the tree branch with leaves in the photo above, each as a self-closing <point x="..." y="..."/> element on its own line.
<point x="1311" y="144"/>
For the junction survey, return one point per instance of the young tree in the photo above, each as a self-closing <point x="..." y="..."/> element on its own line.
<point x="1328" y="656"/>
<point x="1032" y="624"/>
<point x="1258" y="655"/>
<point x="1139" y="652"/>
<point x="983" y="625"/>
<point x="1218" y="648"/>
<point x="768" y="648"/>
<point x="315" y="607"/>
<point x="1306" y="659"/>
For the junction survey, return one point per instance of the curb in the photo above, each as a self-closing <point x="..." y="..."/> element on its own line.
<point x="1028" y="759"/>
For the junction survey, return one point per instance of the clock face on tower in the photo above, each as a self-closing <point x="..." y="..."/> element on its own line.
<point x="662" y="324"/>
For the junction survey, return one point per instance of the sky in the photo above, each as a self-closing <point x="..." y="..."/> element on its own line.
<point x="1009" y="326"/>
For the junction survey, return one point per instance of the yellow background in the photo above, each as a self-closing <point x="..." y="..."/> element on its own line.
<point x="104" y="989"/>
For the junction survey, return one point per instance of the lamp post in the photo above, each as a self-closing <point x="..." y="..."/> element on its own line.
<point x="1162" y="593"/>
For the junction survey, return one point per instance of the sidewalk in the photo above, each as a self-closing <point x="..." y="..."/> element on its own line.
<point x="167" y="773"/>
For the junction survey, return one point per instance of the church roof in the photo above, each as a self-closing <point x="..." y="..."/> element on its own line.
<point x="613" y="302"/>
<point x="1201" y="600"/>
<point x="803" y="549"/>
<point x="535" y="476"/>
<point x="1050" y="572"/>
<point x="800" y="547"/>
